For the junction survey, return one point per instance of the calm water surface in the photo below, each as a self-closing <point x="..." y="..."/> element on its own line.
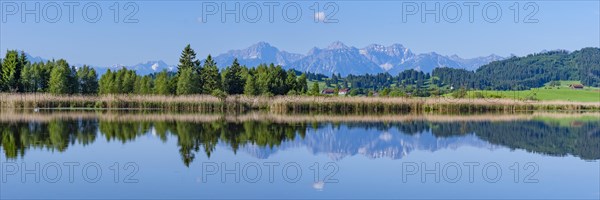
<point x="157" y="156"/>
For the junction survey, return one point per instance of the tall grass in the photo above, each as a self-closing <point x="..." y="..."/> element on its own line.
<point x="283" y="104"/>
<point x="128" y="102"/>
<point x="360" y="105"/>
<point x="137" y="116"/>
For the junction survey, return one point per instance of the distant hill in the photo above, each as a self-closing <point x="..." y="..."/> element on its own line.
<point x="529" y="71"/>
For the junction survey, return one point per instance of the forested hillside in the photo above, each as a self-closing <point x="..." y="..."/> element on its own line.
<point x="518" y="73"/>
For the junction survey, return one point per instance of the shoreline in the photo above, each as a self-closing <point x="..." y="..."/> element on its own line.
<point x="286" y="118"/>
<point x="284" y="104"/>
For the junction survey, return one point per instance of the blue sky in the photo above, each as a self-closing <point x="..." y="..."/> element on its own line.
<point x="165" y="27"/>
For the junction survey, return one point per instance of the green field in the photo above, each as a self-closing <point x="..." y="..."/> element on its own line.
<point x="546" y="93"/>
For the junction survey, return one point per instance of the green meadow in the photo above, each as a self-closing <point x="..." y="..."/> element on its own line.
<point x="560" y="92"/>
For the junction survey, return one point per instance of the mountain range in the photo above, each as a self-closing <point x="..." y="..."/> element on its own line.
<point x="335" y="58"/>
<point x="339" y="58"/>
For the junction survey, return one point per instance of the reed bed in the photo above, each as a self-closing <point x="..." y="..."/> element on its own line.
<point x="283" y="104"/>
<point x="277" y="118"/>
<point x="120" y="102"/>
<point x="362" y="105"/>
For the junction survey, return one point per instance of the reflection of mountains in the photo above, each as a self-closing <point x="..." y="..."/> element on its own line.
<point x="341" y="141"/>
<point x="263" y="138"/>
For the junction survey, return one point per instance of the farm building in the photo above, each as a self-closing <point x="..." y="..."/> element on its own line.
<point x="327" y="91"/>
<point x="576" y="86"/>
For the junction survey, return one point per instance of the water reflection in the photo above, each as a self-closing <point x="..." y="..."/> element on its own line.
<point x="259" y="136"/>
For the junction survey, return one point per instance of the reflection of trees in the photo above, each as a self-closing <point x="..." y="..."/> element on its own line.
<point x="264" y="134"/>
<point x="54" y="135"/>
<point x="534" y="136"/>
<point x="582" y="140"/>
<point x="123" y="131"/>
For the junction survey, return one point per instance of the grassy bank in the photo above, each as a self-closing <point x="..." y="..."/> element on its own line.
<point x="284" y="104"/>
<point x="561" y="92"/>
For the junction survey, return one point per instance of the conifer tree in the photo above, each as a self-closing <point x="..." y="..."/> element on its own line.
<point x="209" y="76"/>
<point x="234" y="82"/>
<point x="188" y="60"/>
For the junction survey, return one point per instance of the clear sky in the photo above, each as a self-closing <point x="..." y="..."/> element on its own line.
<point x="163" y="28"/>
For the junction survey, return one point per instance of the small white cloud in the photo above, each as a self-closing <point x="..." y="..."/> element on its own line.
<point x="155" y="66"/>
<point x="320" y="16"/>
<point x="319" y="186"/>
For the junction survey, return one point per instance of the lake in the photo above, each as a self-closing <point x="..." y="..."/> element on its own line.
<point x="133" y="155"/>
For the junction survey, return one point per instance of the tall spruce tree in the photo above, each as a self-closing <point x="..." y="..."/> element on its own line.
<point x="209" y="76"/>
<point x="234" y="82"/>
<point x="188" y="60"/>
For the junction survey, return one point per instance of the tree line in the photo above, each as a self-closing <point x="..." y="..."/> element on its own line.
<point x="196" y="77"/>
<point x="192" y="77"/>
<point x="57" y="77"/>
